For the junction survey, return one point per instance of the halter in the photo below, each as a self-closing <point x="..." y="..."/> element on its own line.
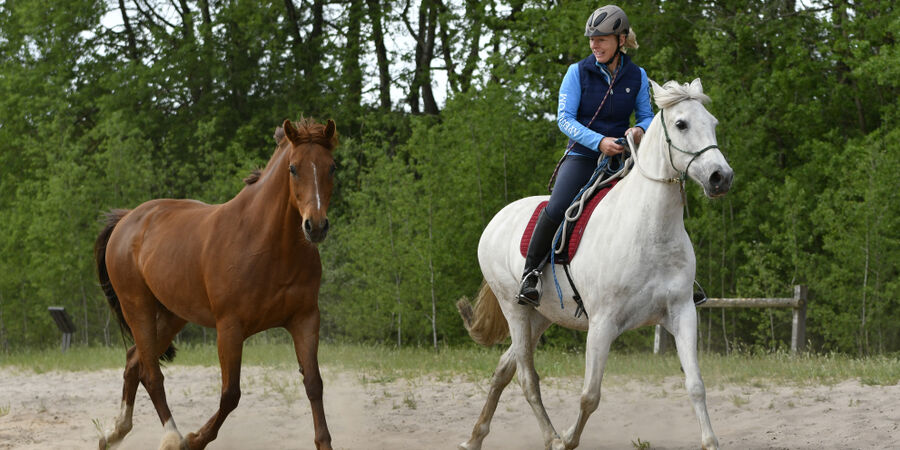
<point x="682" y="175"/>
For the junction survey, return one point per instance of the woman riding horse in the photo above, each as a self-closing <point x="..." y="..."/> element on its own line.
<point x="596" y="99"/>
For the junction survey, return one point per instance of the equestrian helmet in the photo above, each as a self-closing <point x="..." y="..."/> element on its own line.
<point x="607" y="20"/>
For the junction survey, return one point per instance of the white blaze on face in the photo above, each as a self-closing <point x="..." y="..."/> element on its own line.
<point x="316" y="182"/>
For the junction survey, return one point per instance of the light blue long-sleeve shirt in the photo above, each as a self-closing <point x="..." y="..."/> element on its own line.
<point x="570" y="97"/>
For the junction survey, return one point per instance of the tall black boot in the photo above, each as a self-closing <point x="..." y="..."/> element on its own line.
<point x="538" y="251"/>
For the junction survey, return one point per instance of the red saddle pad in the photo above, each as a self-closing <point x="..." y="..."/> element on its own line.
<point x="577" y="231"/>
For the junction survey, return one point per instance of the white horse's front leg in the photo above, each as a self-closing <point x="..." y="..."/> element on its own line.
<point x="683" y="325"/>
<point x="600" y="336"/>
<point x="525" y="334"/>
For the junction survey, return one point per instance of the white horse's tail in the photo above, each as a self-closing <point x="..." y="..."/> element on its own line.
<point x="485" y="322"/>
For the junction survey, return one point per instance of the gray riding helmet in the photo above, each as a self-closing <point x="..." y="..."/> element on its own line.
<point x="607" y="20"/>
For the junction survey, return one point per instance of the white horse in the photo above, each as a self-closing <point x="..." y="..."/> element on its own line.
<point x="635" y="266"/>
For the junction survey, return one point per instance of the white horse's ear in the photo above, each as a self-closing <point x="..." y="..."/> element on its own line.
<point x="697" y="86"/>
<point x="656" y="90"/>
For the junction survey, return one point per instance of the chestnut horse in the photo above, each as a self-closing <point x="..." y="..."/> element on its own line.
<point x="242" y="267"/>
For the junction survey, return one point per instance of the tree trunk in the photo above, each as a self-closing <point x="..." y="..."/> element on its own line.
<point x="863" y="331"/>
<point x="396" y="278"/>
<point x="3" y="345"/>
<point x="352" y="72"/>
<point x="424" y="53"/>
<point x="475" y="12"/>
<point x="293" y="24"/>
<point x="431" y="270"/>
<point x="427" y="93"/>
<point x="84" y="308"/>
<point x="132" y="51"/>
<point x="384" y="74"/>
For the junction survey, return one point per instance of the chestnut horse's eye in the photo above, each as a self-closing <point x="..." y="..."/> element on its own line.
<point x="331" y="170"/>
<point x="681" y="125"/>
<point x="293" y="170"/>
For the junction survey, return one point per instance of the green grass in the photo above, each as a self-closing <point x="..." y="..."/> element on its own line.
<point x="376" y="363"/>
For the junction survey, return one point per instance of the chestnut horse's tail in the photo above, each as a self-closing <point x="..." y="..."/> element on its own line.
<point x="112" y="219"/>
<point x="485" y="323"/>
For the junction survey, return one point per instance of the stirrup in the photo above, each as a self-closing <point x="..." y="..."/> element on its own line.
<point x="699" y="295"/>
<point x="524" y="286"/>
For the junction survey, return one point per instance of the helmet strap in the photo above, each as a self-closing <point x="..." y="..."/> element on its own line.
<point x="613" y="58"/>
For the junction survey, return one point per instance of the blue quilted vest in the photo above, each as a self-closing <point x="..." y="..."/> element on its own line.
<point x="614" y="118"/>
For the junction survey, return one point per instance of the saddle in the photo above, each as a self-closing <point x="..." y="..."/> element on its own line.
<point x="575" y="230"/>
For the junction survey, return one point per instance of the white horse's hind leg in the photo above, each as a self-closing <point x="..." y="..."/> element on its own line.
<point x="506" y="368"/>
<point x="599" y="338"/>
<point x="525" y="332"/>
<point x="502" y="376"/>
<point x="683" y="325"/>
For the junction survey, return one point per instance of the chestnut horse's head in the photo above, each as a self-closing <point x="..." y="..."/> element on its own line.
<point x="311" y="167"/>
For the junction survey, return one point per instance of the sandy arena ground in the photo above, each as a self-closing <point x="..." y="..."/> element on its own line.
<point x="59" y="411"/>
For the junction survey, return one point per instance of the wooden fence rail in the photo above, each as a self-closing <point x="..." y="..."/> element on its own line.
<point x="797" y="303"/>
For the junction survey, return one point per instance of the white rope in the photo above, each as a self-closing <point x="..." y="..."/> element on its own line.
<point x="573" y="212"/>
<point x="638" y="164"/>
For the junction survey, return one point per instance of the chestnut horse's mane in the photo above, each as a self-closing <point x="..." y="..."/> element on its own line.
<point x="310" y="131"/>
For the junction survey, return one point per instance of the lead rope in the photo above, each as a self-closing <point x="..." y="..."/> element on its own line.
<point x="572" y="214"/>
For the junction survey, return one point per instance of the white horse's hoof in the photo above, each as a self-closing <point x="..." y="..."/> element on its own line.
<point x="467" y="446"/>
<point x="557" y="444"/>
<point x="569" y="438"/>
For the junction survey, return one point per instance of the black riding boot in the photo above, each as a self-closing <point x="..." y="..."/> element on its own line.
<point x="538" y="251"/>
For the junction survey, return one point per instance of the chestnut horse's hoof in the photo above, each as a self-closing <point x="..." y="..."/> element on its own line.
<point x="172" y="441"/>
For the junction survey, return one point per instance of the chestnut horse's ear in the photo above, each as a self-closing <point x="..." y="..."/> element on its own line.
<point x="329" y="129"/>
<point x="290" y="131"/>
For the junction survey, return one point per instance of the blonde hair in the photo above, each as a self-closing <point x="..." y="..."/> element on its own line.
<point x="630" y="41"/>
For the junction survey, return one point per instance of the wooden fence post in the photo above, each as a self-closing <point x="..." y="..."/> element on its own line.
<point x="798" y="325"/>
<point x="660" y="340"/>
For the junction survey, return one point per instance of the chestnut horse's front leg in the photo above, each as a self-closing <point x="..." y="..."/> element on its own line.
<point x="231" y="345"/>
<point x="305" y="332"/>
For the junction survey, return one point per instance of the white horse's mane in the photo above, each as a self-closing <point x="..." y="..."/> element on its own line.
<point x="672" y="92"/>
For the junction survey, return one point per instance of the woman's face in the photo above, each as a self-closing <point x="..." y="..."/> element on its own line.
<point x="604" y="47"/>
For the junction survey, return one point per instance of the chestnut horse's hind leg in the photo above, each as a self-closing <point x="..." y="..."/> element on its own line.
<point x="153" y="327"/>
<point x="305" y="332"/>
<point x="168" y="325"/>
<point x="129" y="389"/>
<point x="231" y="345"/>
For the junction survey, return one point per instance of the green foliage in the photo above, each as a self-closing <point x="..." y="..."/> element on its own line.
<point x="94" y="117"/>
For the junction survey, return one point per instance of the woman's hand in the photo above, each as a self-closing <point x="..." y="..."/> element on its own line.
<point x="609" y="147"/>
<point x="637" y="133"/>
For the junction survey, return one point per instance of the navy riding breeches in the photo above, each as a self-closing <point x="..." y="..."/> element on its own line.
<point x="574" y="173"/>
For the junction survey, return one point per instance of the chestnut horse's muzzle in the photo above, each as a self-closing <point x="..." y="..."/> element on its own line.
<point x="315" y="230"/>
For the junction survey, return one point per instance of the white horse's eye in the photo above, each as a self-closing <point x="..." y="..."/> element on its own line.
<point x="681" y="125"/>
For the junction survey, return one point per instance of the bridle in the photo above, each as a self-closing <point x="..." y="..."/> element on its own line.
<point x="682" y="175"/>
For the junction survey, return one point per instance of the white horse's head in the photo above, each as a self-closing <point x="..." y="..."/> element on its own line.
<point x="690" y="133"/>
